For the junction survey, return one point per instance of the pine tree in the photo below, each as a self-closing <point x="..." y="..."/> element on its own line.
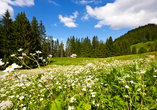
<point x="117" y="49"/>
<point x="57" y="44"/>
<point x="78" y="49"/>
<point x="52" y="46"/>
<point x="62" y="48"/>
<point x="72" y="45"/>
<point x="24" y="32"/>
<point x="6" y="35"/>
<point x="68" y="48"/>
<point x="100" y="52"/>
<point x="134" y="50"/>
<point x="95" y="44"/>
<point x="35" y="36"/>
<point x="1" y="41"/>
<point x="126" y="47"/>
<point x="42" y="32"/>
<point x="44" y="47"/>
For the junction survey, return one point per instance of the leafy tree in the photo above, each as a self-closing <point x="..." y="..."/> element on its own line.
<point x="142" y="50"/>
<point x="134" y="50"/>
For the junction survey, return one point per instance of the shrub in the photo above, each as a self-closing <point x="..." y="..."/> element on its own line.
<point x="142" y="50"/>
<point x="151" y="49"/>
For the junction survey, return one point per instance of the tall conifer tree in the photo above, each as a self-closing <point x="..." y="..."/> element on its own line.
<point x="6" y="35"/>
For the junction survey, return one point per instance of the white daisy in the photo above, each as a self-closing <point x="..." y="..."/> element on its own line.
<point x="127" y="86"/>
<point x="1" y="63"/>
<point x="20" y="49"/>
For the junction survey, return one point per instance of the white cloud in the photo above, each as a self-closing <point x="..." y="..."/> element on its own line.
<point x="69" y="21"/>
<point x="62" y="39"/>
<point x="85" y="2"/>
<point x="54" y="3"/>
<point x="85" y="17"/>
<point x="125" y="13"/>
<point x="6" y="4"/>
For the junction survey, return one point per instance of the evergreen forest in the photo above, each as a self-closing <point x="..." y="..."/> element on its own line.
<point x="30" y="36"/>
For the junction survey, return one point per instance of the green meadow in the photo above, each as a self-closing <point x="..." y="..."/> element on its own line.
<point x="121" y="83"/>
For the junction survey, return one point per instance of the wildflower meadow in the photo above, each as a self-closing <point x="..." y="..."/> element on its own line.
<point x="109" y="84"/>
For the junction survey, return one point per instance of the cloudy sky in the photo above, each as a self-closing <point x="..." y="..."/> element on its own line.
<point x="82" y="18"/>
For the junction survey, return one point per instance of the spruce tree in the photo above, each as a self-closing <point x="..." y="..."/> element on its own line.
<point x="1" y="41"/>
<point x="72" y="45"/>
<point x="78" y="49"/>
<point x="57" y="52"/>
<point x="133" y="50"/>
<point x="52" y="46"/>
<point x="94" y="48"/>
<point x="35" y="36"/>
<point x="42" y="32"/>
<point x="68" y="48"/>
<point x="62" y="49"/>
<point x="6" y="36"/>
<point x="44" y="47"/>
<point x="100" y="50"/>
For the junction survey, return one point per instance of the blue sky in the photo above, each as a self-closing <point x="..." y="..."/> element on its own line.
<point x="82" y="18"/>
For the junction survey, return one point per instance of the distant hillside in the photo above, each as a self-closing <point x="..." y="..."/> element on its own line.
<point x="146" y="45"/>
<point x="141" y="34"/>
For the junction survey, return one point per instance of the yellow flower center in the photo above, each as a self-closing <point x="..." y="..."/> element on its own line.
<point x="10" y="66"/>
<point x="22" y="77"/>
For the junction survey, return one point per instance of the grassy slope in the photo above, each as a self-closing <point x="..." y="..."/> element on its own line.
<point x="146" y="45"/>
<point x="84" y="61"/>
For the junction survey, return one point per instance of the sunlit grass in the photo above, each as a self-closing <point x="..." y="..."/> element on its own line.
<point x="124" y="82"/>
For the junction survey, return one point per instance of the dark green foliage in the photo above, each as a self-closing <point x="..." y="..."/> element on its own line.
<point x="155" y="48"/>
<point x="6" y="36"/>
<point x="151" y="49"/>
<point x="68" y="48"/>
<point x="35" y="36"/>
<point x="72" y="45"/>
<point x="140" y="34"/>
<point x="20" y="34"/>
<point x="142" y="50"/>
<point x="94" y="49"/>
<point x="134" y="50"/>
